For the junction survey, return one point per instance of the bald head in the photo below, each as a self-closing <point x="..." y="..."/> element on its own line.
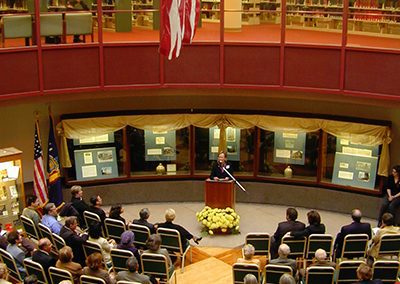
<point x="283" y="250"/>
<point x="356" y="215"/>
<point x="320" y="254"/>
<point x="44" y="244"/>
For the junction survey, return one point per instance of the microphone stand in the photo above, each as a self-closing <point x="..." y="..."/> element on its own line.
<point x="231" y="176"/>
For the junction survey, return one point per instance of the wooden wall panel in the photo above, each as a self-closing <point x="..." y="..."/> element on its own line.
<point x="312" y="67"/>
<point x="71" y="68"/>
<point x="130" y="65"/>
<point x="19" y="72"/>
<point x="254" y="65"/>
<point x="374" y="72"/>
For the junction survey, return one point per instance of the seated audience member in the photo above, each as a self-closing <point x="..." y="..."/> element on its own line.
<point x="14" y="241"/>
<point x="283" y="252"/>
<point x="65" y="262"/>
<point x="321" y="259"/>
<point x="94" y="267"/>
<point x="3" y="274"/>
<point x="73" y="239"/>
<point x="49" y="218"/>
<point x="95" y="236"/>
<point x="115" y="213"/>
<point x="144" y="216"/>
<point x="185" y="235"/>
<point x="132" y="273"/>
<point x="290" y="225"/>
<point x="356" y="227"/>
<point x="126" y="243"/>
<point x="248" y="252"/>
<point x="287" y="279"/>
<point x="30" y="212"/>
<point x="386" y="228"/>
<point x="315" y="226"/>
<point x="96" y="203"/>
<point x="250" y="279"/>
<point x="364" y="274"/>
<point x="65" y="282"/>
<point x="78" y="203"/>
<point x="154" y="246"/>
<point x="42" y="255"/>
<point x="31" y="279"/>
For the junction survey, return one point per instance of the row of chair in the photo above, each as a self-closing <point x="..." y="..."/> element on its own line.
<point x="385" y="270"/>
<point x="57" y="24"/>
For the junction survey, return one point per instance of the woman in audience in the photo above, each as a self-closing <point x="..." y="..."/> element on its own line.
<point x="95" y="267"/>
<point x="3" y="274"/>
<point x="364" y="274"/>
<point x="65" y="262"/>
<point x="250" y="279"/>
<point x="115" y="213"/>
<point x="287" y="279"/>
<point x="95" y="236"/>
<point x="248" y="252"/>
<point x="127" y="239"/>
<point x="154" y="244"/>
<point x="391" y="200"/>
<point x="315" y="226"/>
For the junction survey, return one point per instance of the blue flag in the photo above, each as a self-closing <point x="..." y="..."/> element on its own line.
<point x="53" y="169"/>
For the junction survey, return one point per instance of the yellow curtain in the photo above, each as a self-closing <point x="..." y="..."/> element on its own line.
<point x="358" y="133"/>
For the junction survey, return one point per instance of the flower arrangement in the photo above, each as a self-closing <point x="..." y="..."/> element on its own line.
<point x="219" y="220"/>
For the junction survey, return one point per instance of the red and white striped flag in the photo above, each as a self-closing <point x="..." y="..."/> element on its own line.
<point x="39" y="178"/>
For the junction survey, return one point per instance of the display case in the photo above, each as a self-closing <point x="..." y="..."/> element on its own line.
<point x="12" y="194"/>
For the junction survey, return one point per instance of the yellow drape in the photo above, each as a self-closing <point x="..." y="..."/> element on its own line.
<point x="358" y="133"/>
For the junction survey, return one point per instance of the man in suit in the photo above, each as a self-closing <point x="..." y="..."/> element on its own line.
<point x="356" y="227"/>
<point x="131" y="274"/>
<point x="144" y="216"/>
<point x="289" y="225"/>
<point x="43" y="256"/>
<point x="78" y="203"/>
<point x="73" y="239"/>
<point x="283" y="252"/>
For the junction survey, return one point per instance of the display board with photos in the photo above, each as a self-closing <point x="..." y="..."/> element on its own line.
<point x="98" y="139"/>
<point x="232" y="143"/>
<point x="289" y="147"/>
<point x="160" y="146"/>
<point x="98" y="163"/>
<point x="355" y="165"/>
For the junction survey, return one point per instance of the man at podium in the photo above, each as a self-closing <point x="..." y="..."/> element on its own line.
<point x="218" y="170"/>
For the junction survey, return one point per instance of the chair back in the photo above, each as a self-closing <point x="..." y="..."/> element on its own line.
<point x="79" y="23"/>
<point x="297" y="246"/>
<point x="155" y="265"/>
<point x="30" y="228"/>
<point x="354" y="246"/>
<point x="142" y="234"/>
<point x="114" y="229"/>
<point x="51" y="24"/>
<point x="86" y="279"/>
<point x="260" y="242"/>
<point x="390" y="245"/>
<point x="347" y="271"/>
<point x="46" y="233"/>
<point x="35" y="268"/>
<point x="9" y="261"/>
<point x="17" y="26"/>
<point x="90" y="217"/>
<point x="319" y="241"/>
<point x="91" y="247"/>
<point x="274" y="272"/>
<point x="319" y="275"/>
<point x="170" y="240"/>
<point x="57" y="275"/>
<point x="119" y="258"/>
<point x="386" y="270"/>
<point x="240" y="270"/>
<point x="59" y="242"/>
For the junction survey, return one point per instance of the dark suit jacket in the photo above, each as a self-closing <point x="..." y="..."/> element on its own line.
<point x="100" y="212"/>
<point x="81" y="206"/>
<point x="218" y="172"/>
<point x="185" y="235"/>
<point x="311" y="229"/>
<point x="283" y="228"/>
<point x="353" y="228"/>
<point x="44" y="259"/>
<point x="75" y="241"/>
<point x="145" y="223"/>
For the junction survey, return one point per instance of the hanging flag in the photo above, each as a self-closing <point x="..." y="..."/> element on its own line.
<point x="53" y="168"/>
<point x="39" y="179"/>
<point x="192" y="14"/>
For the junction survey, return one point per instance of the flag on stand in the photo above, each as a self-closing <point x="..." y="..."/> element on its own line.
<point x="39" y="178"/>
<point x="53" y="168"/>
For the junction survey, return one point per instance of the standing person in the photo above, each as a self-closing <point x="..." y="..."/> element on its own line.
<point x="49" y="218"/>
<point x="30" y="212"/>
<point x="217" y="171"/>
<point x="78" y="203"/>
<point x="391" y="201"/>
<point x="315" y="226"/>
<point x="73" y="239"/>
<point x="144" y="215"/>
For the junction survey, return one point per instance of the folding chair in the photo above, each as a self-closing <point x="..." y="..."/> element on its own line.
<point x="319" y="275"/>
<point x="16" y="26"/>
<point x="274" y="272"/>
<point x="260" y="242"/>
<point x="114" y="229"/>
<point x="354" y="246"/>
<point x="57" y="275"/>
<point x="46" y="233"/>
<point x="30" y="228"/>
<point x="9" y="261"/>
<point x="297" y="246"/>
<point x="80" y="23"/>
<point x="35" y="268"/>
<point x="318" y="241"/>
<point x="240" y="270"/>
<point x="59" y="242"/>
<point x="390" y="246"/>
<point x="51" y="24"/>
<point x="171" y="240"/>
<point x="90" y="217"/>
<point x="157" y="265"/>
<point x="86" y="279"/>
<point x="386" y="270"/>
<point x="142" y="234"/>
<point x="91" y="247"/>
<point x="119" y="258"/>
<point x="347" y="271"/>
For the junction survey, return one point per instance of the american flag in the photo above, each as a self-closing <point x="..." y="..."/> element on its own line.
<point x="39" y="178"/>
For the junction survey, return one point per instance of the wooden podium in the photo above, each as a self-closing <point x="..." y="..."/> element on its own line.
<point x="219" y="194"/>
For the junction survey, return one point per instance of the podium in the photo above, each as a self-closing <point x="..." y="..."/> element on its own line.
<point x="219" y="194"/>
